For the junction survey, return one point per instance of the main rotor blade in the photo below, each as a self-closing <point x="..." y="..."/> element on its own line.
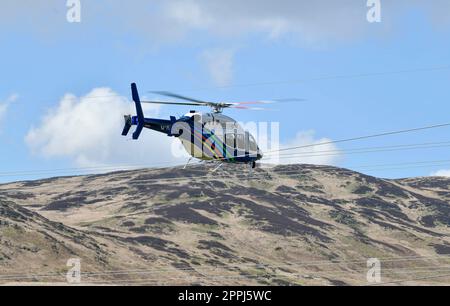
<point x="196" y="102"/>
<point x="173" y="103"/>
<point x="174" y="95"/>
<point x="268" y="101"/>
<point x="248" y="108"/>
<point x="288" y="100"/>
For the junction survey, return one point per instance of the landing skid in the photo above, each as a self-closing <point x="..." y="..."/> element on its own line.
<point x="251" y="165"/>
<point x="217" y="168"/>
<point x="189" y="160"/>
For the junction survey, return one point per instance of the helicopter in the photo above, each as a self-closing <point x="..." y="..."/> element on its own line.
<point x="209" y="137"/>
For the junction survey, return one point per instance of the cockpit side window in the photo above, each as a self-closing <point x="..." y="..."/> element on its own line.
<point x="229" y="140"/>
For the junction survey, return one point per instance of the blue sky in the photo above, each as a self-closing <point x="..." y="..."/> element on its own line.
<point x="195" y="49"/>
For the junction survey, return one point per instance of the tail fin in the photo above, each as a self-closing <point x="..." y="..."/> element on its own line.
<point x="139" y="112"/>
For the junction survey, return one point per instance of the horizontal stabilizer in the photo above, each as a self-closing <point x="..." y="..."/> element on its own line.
<point x="127" y="126"/>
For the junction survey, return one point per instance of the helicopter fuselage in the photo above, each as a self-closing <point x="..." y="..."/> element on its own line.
<point x="208" y="136"/>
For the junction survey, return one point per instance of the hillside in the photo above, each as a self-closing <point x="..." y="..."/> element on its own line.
<point x="293" y="224"/>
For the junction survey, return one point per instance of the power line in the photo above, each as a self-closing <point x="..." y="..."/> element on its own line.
<point x="410" y="280"/>
<point x="281" y="156"/>
<point x="364" y="149"/>
<point x="15" y="173"/>
<point x="364" y="137"/>
<point x="352" y="139"/>
<point x="313" y="264"/>
<point x="265" y="274"/>
<point x="283" y="82"/>
<point x="325" y="77"/>
<point x="257" y="175"/>
<point x="98" y="168"/>
<point x="307" y="263"/>
<point x="344" y="140"/>
<point x="355" y="151"/>
<point x="287" y="156"/>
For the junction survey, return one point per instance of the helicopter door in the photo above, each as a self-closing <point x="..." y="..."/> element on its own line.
<point x="231" y="143"/>
<point x="240" y="144"/>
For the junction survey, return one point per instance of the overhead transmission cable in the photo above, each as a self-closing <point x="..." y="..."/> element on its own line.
<point x="376" y="149"/>
<point x="363" y="137"/>
<point x="282" y="82"/>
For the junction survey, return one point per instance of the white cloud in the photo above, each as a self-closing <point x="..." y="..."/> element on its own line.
<point x="188" y="13"/>
<point x="87" y="130"/>
<point x="219" y="64"/>
<point x="3" y="110"/>
<point x="161" y="20"/>
<point x="318" y="21"/>
<point x="305" y="19"/>
<point x="327" y="154"/>
<point x="5" y="105"/>
<point x="445" y="173"/>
